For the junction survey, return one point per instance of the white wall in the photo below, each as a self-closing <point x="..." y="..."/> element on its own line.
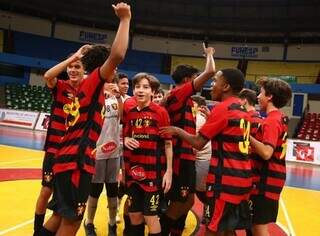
<point x="314" y="106"/>
<point x="25" y="23"/>
<point x="304" y="52"/>
<point x="36" y="78"/>
<point x="166" y="45"/>
<point x="38" y="26"/>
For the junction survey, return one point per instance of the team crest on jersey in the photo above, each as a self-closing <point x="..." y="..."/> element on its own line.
<point x="147" y="121"/>
<point x="73" y="112"/>
<point x="47" y="177"/>
<point x="114" y="106"/>
<point x="81" y="208"/>
<point x="184" y="191"/>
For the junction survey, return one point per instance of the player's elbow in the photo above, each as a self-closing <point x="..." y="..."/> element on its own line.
<point x="117" y="56"/>
<point x="267" y="154"/>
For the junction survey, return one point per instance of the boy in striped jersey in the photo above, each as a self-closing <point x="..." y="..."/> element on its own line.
<point x="229" y="179"/>
<point x="269" y="145"/>
<point x="74" y="163"/>
<point x="145" y="176"/>
<point x="179" y="105"/>
<point x="63" y="92"/>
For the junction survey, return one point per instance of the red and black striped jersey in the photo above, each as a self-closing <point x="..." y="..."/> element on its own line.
<point x="228" y="128"/>
<point x="270" y="175"/>
<point x="128" y="104"/>
<point x="180" y="108"/>
<point x="63" y="93"/>
<point x="255" y="122"/>
<point x="84" y="122"/>
<point x="143" y="125"/>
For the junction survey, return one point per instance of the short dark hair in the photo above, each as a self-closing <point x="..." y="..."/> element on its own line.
<point x="121" y="76"/>
<point x="250" y="95"/>
<point x="183" y="71"/>
<point x="160" y="90"/>
<point x="201" y="101"/>
<point x="154" y="82"/>
<point x="235" y="79"/>
<point x="95" y="57"/>
<point x="280" y="90"/>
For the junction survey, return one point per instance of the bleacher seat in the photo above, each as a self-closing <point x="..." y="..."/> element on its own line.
<point x="27" y="97"/>
<point x="310" y="128"/>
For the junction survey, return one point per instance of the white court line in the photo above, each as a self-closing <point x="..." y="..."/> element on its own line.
<point x="283" y="228"/>
<point x="286" y="215"/>
<point x="13" y="162"/>
<point x="19" y="226"/>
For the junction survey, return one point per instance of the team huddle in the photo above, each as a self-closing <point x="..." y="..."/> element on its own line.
<point x="168" y="147"/>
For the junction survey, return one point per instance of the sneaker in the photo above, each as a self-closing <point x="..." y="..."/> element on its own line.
<point x="89" y="229"/>
<point x="112" y="230"/>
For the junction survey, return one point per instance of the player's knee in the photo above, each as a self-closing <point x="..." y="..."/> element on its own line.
<point x="136" y="218"/>
<point x="96" y="190"/>
<point x="112" y="189"/>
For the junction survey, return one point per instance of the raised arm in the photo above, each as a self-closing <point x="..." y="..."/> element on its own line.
<point x="120" y="43"/>
<point x="50" y="76"/>
<point x="208" y="71"/>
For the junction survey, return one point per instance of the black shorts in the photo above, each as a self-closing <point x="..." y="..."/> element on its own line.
<point x="141" y="201"/>
<point x="265" y="210"/>
<point x="184" y="183"/>
<point x="47" y="173"/>
<point x="69" y="201"/>
<point x="224" y="216"/>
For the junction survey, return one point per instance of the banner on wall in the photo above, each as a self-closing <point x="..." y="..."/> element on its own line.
<point x="303" y="151"/>
<point x="93" y="37"/>
<point x="43" y="121"/>
<point x="244" y="51"/>
<point x="22" y="119"/>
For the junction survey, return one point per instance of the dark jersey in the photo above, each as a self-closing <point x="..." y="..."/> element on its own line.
<point x="228" y="128"/>
<point x="83" y="122"/>
<point x="143" y="125"/>
<point x="63" y="94"/>
<point x="270" y="175"/>
<point x="179" y="106"/>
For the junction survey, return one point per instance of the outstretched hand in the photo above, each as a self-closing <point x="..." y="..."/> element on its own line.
<point x="168" y="130"/>
<point x="208" y="50"/>
<point x="122" y="10"/>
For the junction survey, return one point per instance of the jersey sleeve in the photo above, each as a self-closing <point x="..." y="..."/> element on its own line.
<point x="215" y="123"/>
<point x="178" y="96"/>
